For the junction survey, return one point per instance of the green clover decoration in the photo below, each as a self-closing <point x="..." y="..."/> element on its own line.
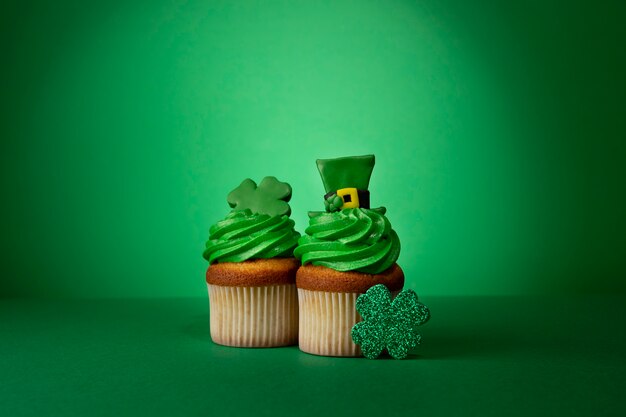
<point x="333" y="203"/>
<point x="269" y="197"/>
<point x="388" y="324"/>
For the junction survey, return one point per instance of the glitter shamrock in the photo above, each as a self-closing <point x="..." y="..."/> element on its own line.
<point x="269" y="197"/>
<point x="388" y="324"/>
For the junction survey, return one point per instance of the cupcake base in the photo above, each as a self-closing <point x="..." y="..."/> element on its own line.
<point x="326" y="320"/>
<point x="265" y="316"/>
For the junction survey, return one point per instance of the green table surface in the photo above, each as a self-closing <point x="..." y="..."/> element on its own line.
<point x="146" y="357"/>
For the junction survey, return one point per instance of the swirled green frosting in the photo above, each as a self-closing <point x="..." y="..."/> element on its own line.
<point x="350" y="240"/>
<point x="245" y="235"/>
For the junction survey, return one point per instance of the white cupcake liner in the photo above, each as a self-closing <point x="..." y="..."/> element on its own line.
<point x="326" y="320"/>
<point x="254" y="316"/>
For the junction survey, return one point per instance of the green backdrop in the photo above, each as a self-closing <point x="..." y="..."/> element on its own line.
<point x="498" y="128"/>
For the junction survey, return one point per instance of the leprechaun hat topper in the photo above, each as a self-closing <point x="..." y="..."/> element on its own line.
<point x="346" y="181"/>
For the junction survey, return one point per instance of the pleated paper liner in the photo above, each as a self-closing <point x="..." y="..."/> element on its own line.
<point x="326" y="320"/>
<point x="254" y="316"/>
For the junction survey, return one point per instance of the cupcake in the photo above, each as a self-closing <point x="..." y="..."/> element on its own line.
<point x="346" y="250"/>
<point x="251" y="274"/>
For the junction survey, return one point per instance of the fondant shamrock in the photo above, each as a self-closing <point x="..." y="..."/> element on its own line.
<point x="333" y="203"/>
<point x="269" y="197"/>
<point x="387" y="324"/>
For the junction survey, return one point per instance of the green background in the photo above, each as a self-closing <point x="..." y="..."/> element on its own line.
<point x="498" y="129"/>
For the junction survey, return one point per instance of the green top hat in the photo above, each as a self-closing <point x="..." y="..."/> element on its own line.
<point x="346" y="181"/>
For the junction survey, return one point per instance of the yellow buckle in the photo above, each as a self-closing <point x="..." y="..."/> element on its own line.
<point x="353" y="199"/>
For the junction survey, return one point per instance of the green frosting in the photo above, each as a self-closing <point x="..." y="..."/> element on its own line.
<point x="350" y="240"/>
<point x="244" y="235"/>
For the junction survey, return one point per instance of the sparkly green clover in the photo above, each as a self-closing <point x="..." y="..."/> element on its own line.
<point x="387" y="324"/>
